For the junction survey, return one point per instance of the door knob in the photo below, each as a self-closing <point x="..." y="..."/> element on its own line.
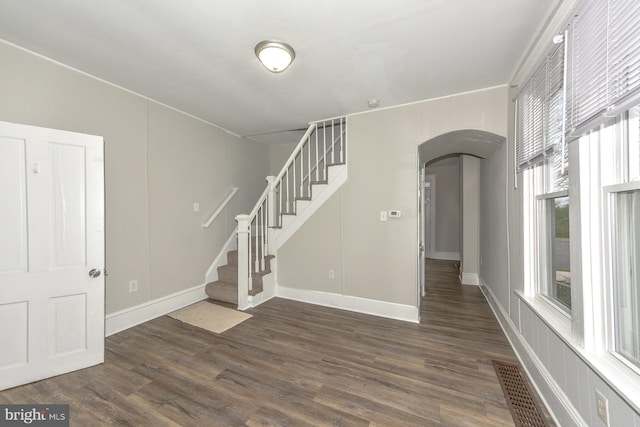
<point x="94" y="273"/>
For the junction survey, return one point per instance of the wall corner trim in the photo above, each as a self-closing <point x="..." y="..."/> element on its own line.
<point x="559" y="405"/>
<point x="132" y="316"/>
<point x="469" y="279"/>
<point x="389" y="310"/>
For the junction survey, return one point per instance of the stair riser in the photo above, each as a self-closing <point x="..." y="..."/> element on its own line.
<point x="221" y="291"/>
<point x="232" y="257"/>
<point x="229" y="272"/>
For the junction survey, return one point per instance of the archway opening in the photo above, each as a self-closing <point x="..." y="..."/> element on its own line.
<point x="449" y="216"/>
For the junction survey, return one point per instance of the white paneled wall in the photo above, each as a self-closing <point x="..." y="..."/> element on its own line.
<point x="545" y="355"/>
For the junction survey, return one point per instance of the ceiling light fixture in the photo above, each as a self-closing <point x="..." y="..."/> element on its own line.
<point x="275" y="56"/>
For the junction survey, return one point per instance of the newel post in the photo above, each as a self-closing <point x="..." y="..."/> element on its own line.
<point x="271" y="215"/>
<point x="243" y="261"/>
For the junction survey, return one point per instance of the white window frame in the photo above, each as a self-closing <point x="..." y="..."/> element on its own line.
<point x="593" y="319"/>
<point x="542" y="250"/>
<point x="607" y="200"/>
<point x="533" y="183"/>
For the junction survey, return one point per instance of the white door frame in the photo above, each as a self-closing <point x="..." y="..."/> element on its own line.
<point x="430" y="179"/>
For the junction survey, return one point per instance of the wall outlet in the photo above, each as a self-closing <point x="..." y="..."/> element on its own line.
<point x="133" y="286"/>
<point x="332" y="274"/>
<point x="603" y="407"/>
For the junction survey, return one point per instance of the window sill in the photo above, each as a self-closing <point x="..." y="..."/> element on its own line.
<point x="619" y="377"/>
<point x="555" y="320"/>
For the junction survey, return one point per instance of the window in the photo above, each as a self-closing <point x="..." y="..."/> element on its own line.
<point x="625" y="273"/>
<point x="622" y="202"/>
<point x="555" y="275"/>
<point x="552" y="240"/>
<point x="543" y="156"/>
<point x="586" y="91"/>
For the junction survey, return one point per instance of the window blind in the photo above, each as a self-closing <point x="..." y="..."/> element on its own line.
<point x="603" y="62"/>
<point x="539" y="113"/>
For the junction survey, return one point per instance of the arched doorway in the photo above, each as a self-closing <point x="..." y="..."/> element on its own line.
<point x="472" y="146"/>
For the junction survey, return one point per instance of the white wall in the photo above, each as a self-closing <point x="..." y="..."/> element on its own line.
<point x="447" y="208"/>
<point x="158" y="162"/>
<point x="470" y="222"/>
<point x="379" y="259"/>
<point x="493" y="251"/>
<point x="278" y="154"/>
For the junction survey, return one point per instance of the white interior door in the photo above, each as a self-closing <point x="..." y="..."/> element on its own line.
<point x="51" y="253"/>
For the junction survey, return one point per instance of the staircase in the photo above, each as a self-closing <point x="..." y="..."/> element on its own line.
<point x="315" y="170"/>
<point x="226" y="287"/>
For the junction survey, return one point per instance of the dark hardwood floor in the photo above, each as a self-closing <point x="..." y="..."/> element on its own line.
<point x="297" y="364"/>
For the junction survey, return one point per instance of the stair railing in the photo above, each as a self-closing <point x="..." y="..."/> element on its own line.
<point x="223" y="205"/>
<point x="323" y="144"/>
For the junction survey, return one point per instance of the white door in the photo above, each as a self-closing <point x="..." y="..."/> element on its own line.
<point x="51" y="253"/>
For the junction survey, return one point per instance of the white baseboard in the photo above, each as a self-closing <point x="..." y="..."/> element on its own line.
<point x="221" y="259"/>
<point x="451" y="256"/>
<point x="129" y="317"/>
<point x="469" y="278"/>
<point x="561" y="408"/>
<point x="390" y="310"/>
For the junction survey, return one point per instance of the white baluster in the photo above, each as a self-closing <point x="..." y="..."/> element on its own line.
<point x="279" y="216"/>
<point x="255" y="243"/>
<point x="288" y="201"/>
<point x="317" y="157"/>
<point x="333" y="141"/>
<point x="263" y="234"/>
<point x="250" y="281"/>
<point x="324" y="150"/>
<point x="294" y="180"/>
<point x="341" y="142"/>
<point x="309" y="167"/>
<point x="271" y="215"/>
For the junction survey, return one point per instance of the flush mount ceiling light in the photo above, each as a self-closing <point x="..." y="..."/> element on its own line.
<point x="275" y="56"/>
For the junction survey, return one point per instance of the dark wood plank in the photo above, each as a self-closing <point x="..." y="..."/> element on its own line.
<point x="298" y="364"/>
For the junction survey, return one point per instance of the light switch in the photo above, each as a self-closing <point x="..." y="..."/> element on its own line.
<point x="196" y="207"/>
<point x="383" y="215"/>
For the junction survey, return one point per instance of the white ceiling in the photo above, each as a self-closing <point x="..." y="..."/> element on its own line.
<point x="198" y="55"/>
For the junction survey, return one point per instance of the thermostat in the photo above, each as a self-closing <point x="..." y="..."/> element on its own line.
<point x="395" y="214"/>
